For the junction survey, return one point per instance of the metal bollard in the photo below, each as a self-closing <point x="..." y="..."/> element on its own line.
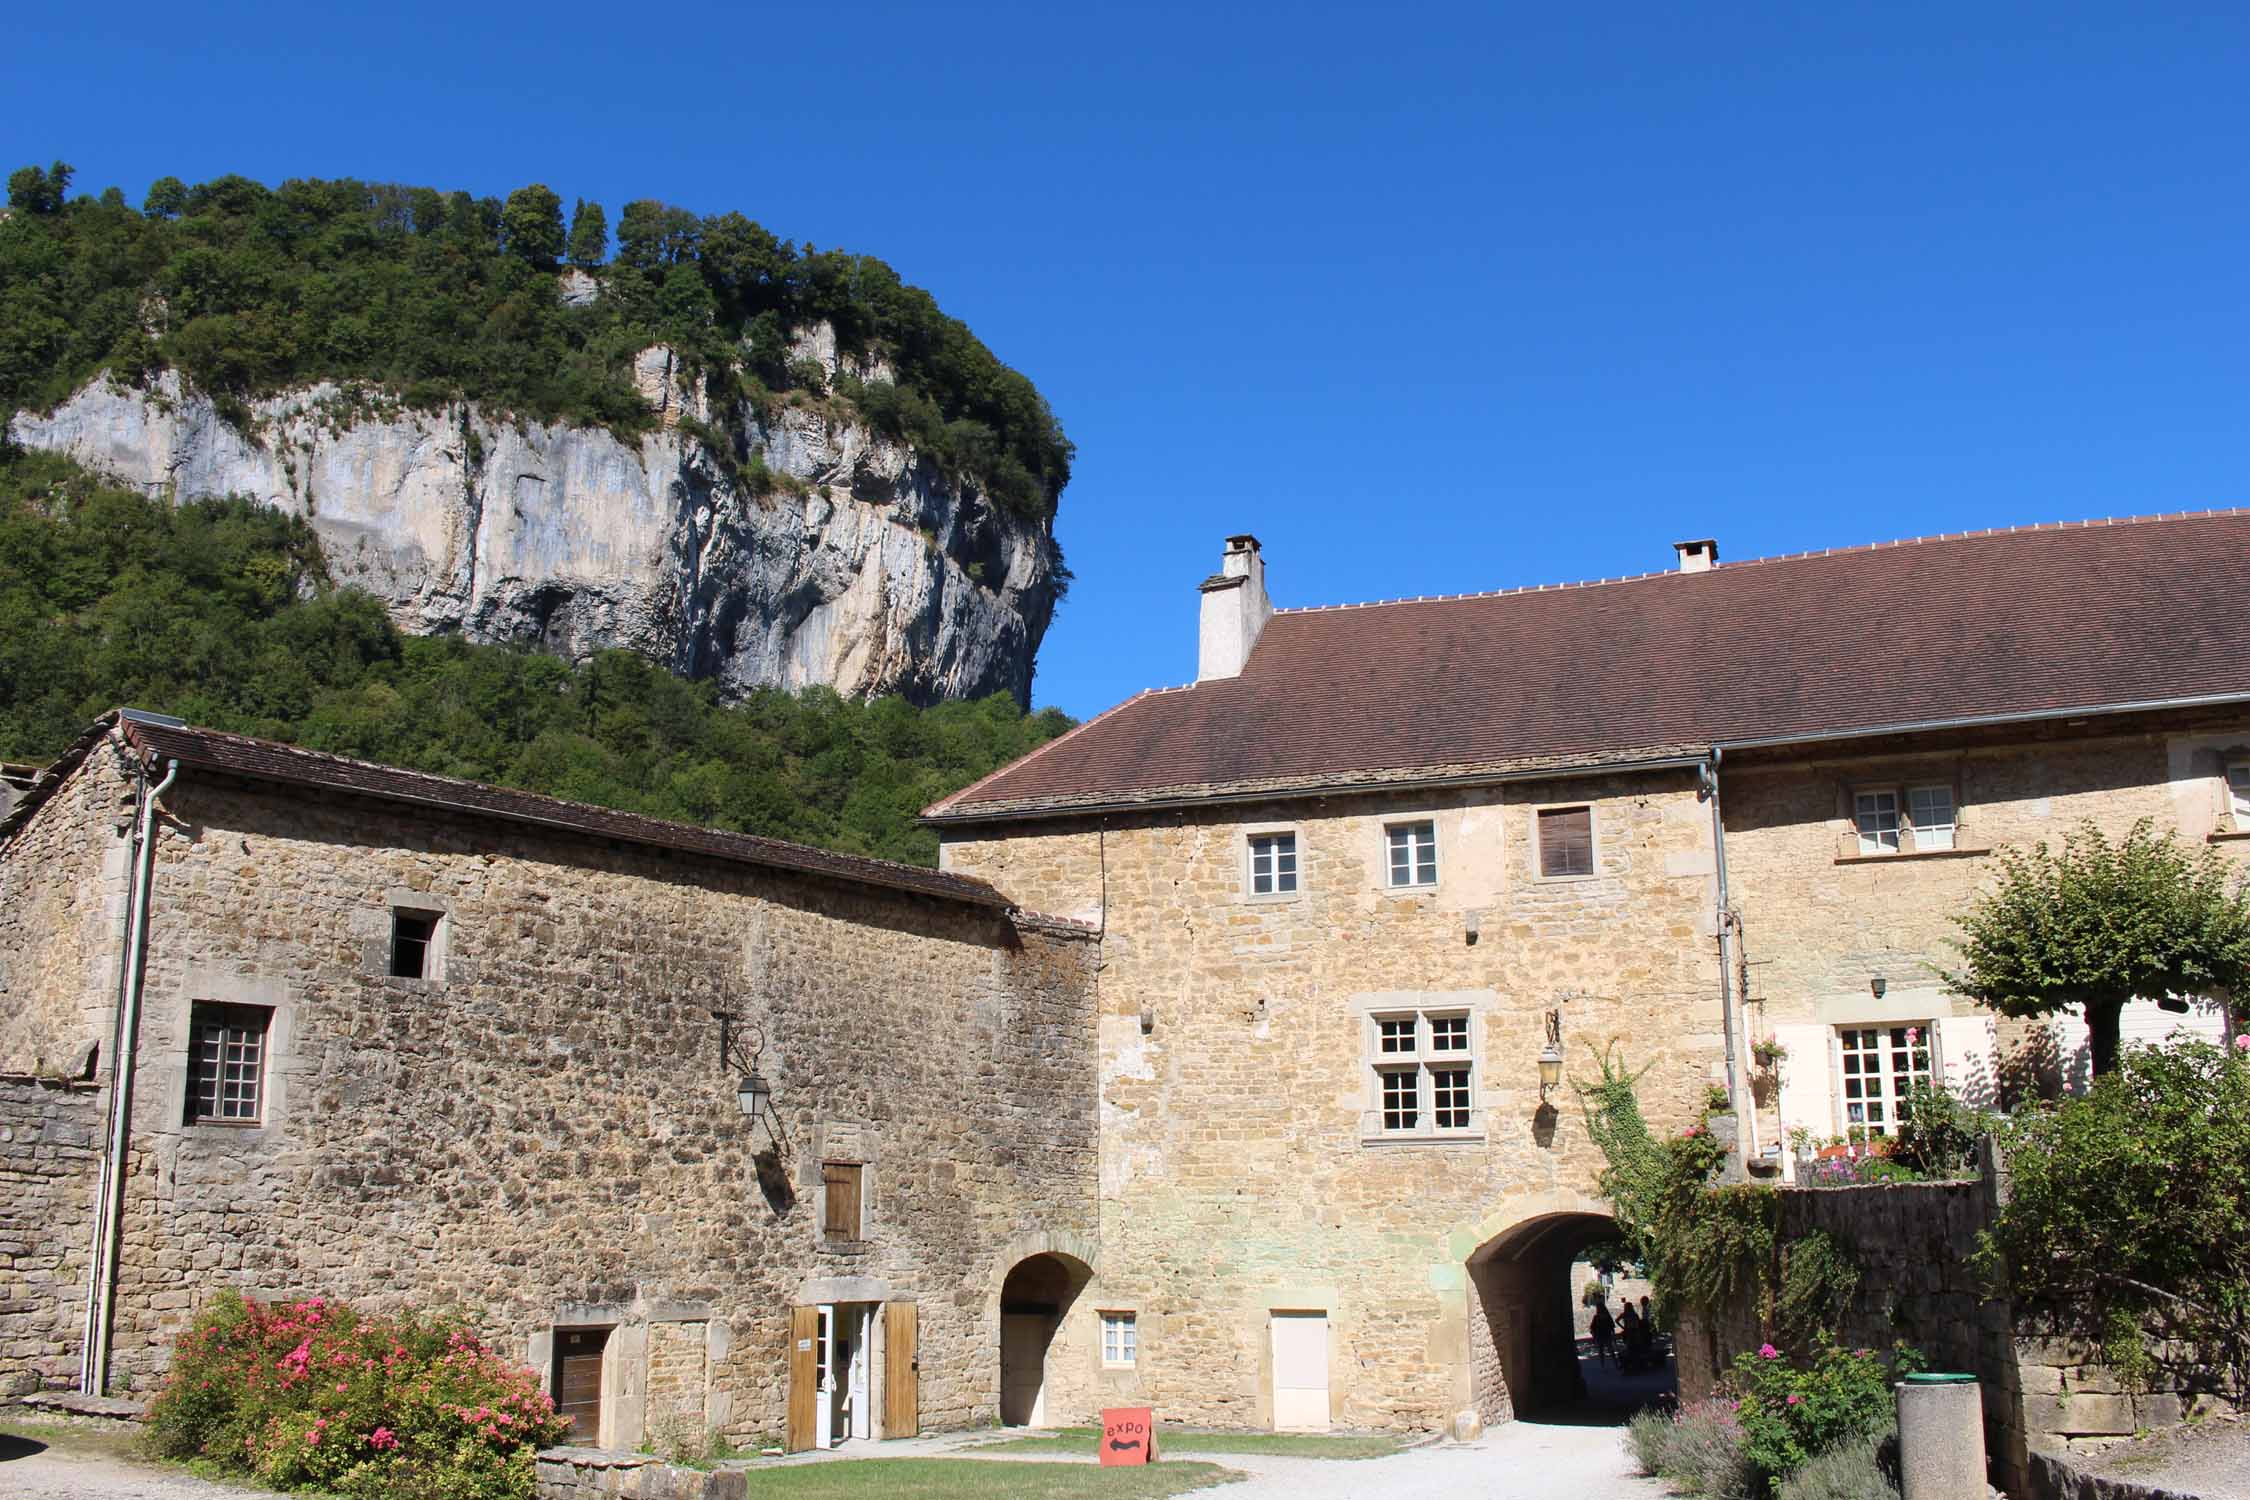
<point x="1940" y="1438"/>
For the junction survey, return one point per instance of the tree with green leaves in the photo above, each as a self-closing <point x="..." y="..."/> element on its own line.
<point x="33" y="191"/>
<point x="167" y="198"/>
<point x="531" y="225"/>
<point x="2100" y="923"/>
<point x="589" y="234"/>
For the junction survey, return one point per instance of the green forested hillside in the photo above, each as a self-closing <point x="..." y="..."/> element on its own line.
<point x="220" y="612"/>
<point x="441" y="296"/>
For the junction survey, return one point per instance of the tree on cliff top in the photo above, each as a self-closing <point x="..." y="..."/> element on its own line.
<point x="531" y="225"/>
<point x="589" y="235"/>
<point x="2103" y="922"/>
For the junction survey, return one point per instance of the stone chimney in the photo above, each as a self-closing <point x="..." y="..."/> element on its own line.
<point x="1235" y="609"/>
<point x="1698" y="556"/>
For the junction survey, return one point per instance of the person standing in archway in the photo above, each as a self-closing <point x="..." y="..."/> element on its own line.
<point x="1605" y="1332"/>
<point x="1629" y="1328"/>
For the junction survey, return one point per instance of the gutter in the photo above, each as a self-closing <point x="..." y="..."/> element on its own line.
<point x="1973" y="721"/>
<point x="109" y="1211"/>
<point x="1726" y="922"/>
<point x="972" y="818"/>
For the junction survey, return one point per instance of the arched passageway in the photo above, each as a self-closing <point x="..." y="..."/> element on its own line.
<point x="1525" y="1354"/>
<point x="1034" y="1298"/>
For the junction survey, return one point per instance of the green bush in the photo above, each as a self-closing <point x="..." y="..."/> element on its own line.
<point x="1849" y="1471"/>
<point x="1703" y="1452"/>
<point x="1648" y="1437"/>
<point x="2130" y="1208"/>
<point x="1937" y="1132"/>
<point x="315" y="1396"/>
<point x="1791" y="1413"/>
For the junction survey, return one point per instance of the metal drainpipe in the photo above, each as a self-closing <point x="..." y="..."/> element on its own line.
<point x="1725" y="922"/>
<point x="101" y="1278"/>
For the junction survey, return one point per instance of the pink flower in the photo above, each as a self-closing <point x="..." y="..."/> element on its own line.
<point x="1793" y="1400"/>
<point x="1913" y="1035"/>
<point x="1768" y="1351"/>
<point x="2242" y="1043"/>
<point x="382" y="1438"/>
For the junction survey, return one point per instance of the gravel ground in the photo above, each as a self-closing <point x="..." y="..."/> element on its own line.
<point x="35" y="1470"/>
<point x="2211" y="1461"/>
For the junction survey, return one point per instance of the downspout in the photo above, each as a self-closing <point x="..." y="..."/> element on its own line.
<point x="1725" y="926"/>
<point x="101" y="1274"/>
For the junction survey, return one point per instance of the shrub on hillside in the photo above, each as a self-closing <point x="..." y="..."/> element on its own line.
<point x="315" y="1396"/>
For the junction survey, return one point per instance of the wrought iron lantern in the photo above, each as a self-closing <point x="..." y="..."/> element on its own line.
<point x="1550" y="1056"/>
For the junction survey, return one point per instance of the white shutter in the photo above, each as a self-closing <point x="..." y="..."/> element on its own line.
<point x="1968" y="1052"/>
<point x="1808" y="1086"/>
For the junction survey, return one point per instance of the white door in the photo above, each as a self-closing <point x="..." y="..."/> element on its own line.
<point x="860" y="1318"/>
<point x="824" y="1368"/>
<point x="1300" y="1372"/>
<point x="1023" y="1368"/>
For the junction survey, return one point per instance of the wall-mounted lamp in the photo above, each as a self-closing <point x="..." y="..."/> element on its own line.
<point x="1878" y="984"/>
<point x="1550" y="1056"/>
<point x="739" y="1053"/>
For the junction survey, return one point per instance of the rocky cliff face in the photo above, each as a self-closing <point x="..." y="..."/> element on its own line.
<point x="880" y="577"/>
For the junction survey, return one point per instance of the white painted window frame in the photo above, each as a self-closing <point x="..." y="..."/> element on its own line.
<point x="1248" y="854"/>
<point x="1414" y="850"/>
<point x="1893" y="1095"/>
<point x="1121" y="1339"/>
<point x="1423" y="1062"/>
<point x="1906" y="834"/>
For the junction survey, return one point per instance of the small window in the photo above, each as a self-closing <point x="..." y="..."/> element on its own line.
<point x="1449" y="1033"/>
<point x="1566" y="841"/>
<point x="1930" y="810"/>
<point x="1878" y="822"/>
<point x="413" y="943"/>
<point x="1396" y="1035"/>
<point x="1273" y="864"/>
<point x="1121" y="1345"/>
<point x="840" y="1216"/>
<point x="2238" y="794"/>
<point x="1413" y="851"/>
<point x="226" y="1064"/>
<point x="1402" y="1102"/>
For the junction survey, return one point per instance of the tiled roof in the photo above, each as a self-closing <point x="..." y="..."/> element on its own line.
<point x="2028" y="622"/>
<point x="264" y="760"/>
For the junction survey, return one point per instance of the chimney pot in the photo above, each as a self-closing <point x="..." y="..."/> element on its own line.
<point x="1234" y="610"/>
<point x="1697" y="556"/>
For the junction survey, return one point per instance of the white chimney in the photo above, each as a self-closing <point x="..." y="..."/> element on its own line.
<point x="1697" y="556"/>
<point x="1235" y="609"/>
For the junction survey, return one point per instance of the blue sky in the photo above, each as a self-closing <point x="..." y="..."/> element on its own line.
<point x="1431" y="298"/>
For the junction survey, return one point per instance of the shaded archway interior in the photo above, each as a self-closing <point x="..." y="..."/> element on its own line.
<point x="1524" y="1347"/>
<point x="1034" y="1298"/>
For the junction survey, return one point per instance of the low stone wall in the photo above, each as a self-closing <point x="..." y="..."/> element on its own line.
<point x="2053" y="1478"/>
<point x="50" y="1160"/>
<point x="581" y="1473"/>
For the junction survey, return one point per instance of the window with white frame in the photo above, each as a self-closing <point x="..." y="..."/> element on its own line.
<point x="1121" y="1340"/>
<point x="1894" y="820"/>
<point x="1413" y="854"/>
<point x="1273" y="864"/>
<point x="1424" y="1073"/>
<point x="1877" y="1066"/>
<point x="2238" y="794"/>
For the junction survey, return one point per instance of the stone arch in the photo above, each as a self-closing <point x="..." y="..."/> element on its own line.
<point x="1522" y="1341"/>
<point x="1040" y="1277"/>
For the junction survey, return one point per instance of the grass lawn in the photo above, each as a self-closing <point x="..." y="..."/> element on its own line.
<point x="1175" y="1440"/>
<point x="972" y="1479"/>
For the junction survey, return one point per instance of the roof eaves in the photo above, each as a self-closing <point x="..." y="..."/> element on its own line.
<point x="939" y="808"/>
<point x="52" y="775"/>
<point x="1977" y="721"/>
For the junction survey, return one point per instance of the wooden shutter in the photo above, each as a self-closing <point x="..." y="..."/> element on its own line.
<point x="841" y="1220"/>
<point x="902" y="1372"/>
<point x="1566" y="841"/>
<point x="804" y="1380"/>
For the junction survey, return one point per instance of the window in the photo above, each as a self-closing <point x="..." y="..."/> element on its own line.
<point x="1879" y="1065"/>
<point x="840" y="1181"/>
<point x="1929" y="812"/>
<point x="1120" y="1340"/>
<point x="1413" y="849"/>
<point x="2238" y="794"/>
<point x="1423" y="1073"/>
<point x="414" y="941"/>
<point x="226" y="1064"/>
<point x="1273" y="864"/>
<point x="1566" y="841"/>
<point x="1878" y="822"/>
<point x="1893" y="819"/>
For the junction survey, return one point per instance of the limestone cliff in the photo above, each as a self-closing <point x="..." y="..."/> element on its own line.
<point x="864" y="570"/>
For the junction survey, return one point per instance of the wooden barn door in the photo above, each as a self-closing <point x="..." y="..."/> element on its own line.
<point x="804" y="1380"/>
<point x="578" y="1382"/>
<point x="902" y="1372"/>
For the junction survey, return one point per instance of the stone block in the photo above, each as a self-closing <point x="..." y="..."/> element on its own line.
<point x="2082" y="1414"/>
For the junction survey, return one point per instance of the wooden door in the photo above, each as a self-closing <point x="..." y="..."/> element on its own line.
<point x="902" y="1372"/>
<point x="1023" y="1367"/>
<point x="804" y="1379"/>
<point x="578" y="1382"/>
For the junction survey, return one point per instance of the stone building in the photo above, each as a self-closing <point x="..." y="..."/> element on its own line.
<point x="1354" y="881"/>
<point x="411" y="1041"/>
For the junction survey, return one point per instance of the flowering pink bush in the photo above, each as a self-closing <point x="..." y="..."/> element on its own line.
<point x="313" y="1395"/>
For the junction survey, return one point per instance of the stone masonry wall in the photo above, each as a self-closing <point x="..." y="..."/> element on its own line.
<point x="50" y="1163"/>
<point x="1242" y="1172"/>
<point x="544" y="1135"/>
<point x="62" y="897"/>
